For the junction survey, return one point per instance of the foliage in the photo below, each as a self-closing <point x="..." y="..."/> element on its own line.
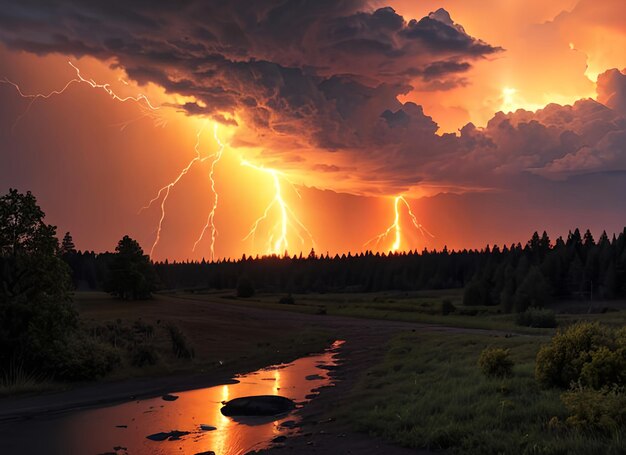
<point x="143" y="354"/>
<point x="35" y="308"/>
<point x="602" y="411"/>
<point x="495" y="363"/>
<point x="447" y="307"/>
<point x="79" y="358"/>
<point x="131" y="275"/>
<point x="428" y="395"/>
<point x="585" y="353"/>
<point x="245" y="288"/>
<point x="534" y="291"/>
<point x="536" y="317"/>
<point x="473" y="295"/>
<point x="569" y="267"/>
<point x="180" y="344"/>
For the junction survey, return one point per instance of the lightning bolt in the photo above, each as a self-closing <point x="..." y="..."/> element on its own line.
<point x="165" y="190"/>
<point x="277" y="242"/>
<point x="396" y="227"/>
<point x="278" y="237"/>
<point x="141" y="99"/>
<point x="210" y="222"/>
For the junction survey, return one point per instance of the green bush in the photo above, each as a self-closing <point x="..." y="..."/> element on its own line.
<point x="447" y="307"/>
<point x="287" y="300"/>
<point x="495" y="363"/>
<point x="585" y="353"/>
<point x="536" y="317"/>
<point x="144" y="354"/>
<point x="79" y="358"/>
<point x="180" y="344"/>
<point x="602" y="411"/>
<point x="245" y="288"/>
<point x="473" y="294"/>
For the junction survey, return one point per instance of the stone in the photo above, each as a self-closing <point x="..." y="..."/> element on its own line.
<point x="260" y="405"/>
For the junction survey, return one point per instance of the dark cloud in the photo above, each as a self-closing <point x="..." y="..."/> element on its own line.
<point x="324" y="77"/>
<point x="275" y="63"/>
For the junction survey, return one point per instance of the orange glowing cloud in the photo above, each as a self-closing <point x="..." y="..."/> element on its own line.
<point x="376" y="102"/>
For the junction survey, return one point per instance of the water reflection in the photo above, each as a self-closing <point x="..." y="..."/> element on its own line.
<point x="122" y="429"/>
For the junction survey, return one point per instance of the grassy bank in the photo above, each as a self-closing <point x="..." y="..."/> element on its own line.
<point x="430" y="393"/>
<point x="139" y="333"/>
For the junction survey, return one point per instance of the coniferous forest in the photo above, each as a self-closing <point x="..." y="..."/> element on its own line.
<point x="515" y="277"/>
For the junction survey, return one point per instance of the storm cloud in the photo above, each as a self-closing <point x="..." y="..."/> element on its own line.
<point x="322" y="79"/>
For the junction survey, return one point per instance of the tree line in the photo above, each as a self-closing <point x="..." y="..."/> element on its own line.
<point x="515" y="277"/>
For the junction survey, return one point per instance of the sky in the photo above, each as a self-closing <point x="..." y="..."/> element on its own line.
<point x="212" y="129"/>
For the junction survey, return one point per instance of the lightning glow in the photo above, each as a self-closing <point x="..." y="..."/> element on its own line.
<point x="165" y="190"/>
<point x="288" y="222"/>
<point x="141" y="99"/>
<point x="210" y="222"/>
<point x="278" y="242"/>
<point x="396" y="227"/>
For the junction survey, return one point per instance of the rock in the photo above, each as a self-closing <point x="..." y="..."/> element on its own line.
<point x="169" y="397"/>
<point x="208" y="452"/>
<point x="173" y="435"/>
<point x="279" y="439"/>
<point x="310" y="396"/>
<point x="313" y="377"/>
<point x="204" y="427"/>
<point x="121" y="426"/>
<point x="289" y="424"/>
<point x="261" y="405"/>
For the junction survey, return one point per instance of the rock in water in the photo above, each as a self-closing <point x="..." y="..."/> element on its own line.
<point x="205" y="427"/>
<point x="261" y="405"/>
<point x="169" y="397"/>
<point x="173" y="435"/>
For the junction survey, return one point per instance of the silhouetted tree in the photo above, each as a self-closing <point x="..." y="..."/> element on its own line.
<point x="36" y="315"/>
<point x="67" y="245"/>
<point x="245" y="288"/>
<point x="131" y="275"/>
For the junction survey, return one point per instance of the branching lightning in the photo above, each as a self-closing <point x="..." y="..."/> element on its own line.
<point x="278" y="242"/>
<point x="210" y="222"/>
<point x="396" y="227"/>
<point x="141" y="99"/>
<point x="165" y="190"/>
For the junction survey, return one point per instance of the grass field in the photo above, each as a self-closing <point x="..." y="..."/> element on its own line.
<point x="429" y="393"/>
<point x="416" y="306"/>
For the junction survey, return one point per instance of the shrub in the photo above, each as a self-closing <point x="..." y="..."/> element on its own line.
<point x="144" y="354"/>
<point x="536" y="317"/>
<point x="447" y="307"/>
<point x="585" y="353"/>
<point x="287" y="300"/>
<point x="180" y="344"/>
<point x="495" y="363"/>
<point x="473" y="294"/>
<point x="245" y="288"/>
<point x="143" y="329"/>
<point x="602" y="411"/>
<point x="80" y="358"/>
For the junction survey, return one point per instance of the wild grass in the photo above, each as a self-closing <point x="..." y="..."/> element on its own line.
<point x="425" y="307"/>
<point x="15" y="379"/>
<point x="430" y="393"/>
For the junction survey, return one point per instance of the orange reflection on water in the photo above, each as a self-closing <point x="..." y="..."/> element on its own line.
<point x="127" y="425"/>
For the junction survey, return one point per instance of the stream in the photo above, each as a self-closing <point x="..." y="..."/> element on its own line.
<point x="123" y="429"/>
